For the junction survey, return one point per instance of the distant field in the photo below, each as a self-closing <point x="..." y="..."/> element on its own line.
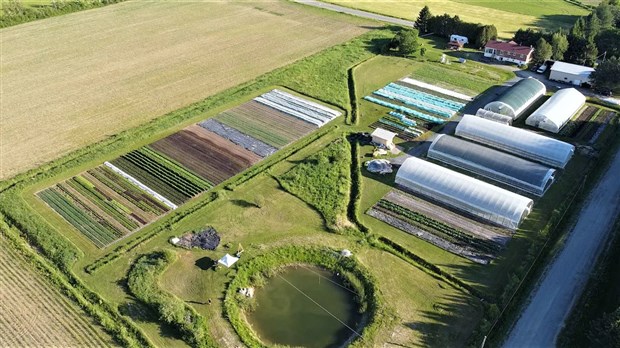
<point x="34" y="314"/>
<point x="71" y="80"/>
<point x="508" y="16"/>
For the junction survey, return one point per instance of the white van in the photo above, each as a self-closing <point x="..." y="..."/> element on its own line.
<point x="542" y="69"/>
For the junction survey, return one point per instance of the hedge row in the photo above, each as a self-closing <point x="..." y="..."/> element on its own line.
<point x="143" y="280"/>
<point x="268" y="264"/>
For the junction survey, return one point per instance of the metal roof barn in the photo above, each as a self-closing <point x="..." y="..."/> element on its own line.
<point x="518" y="98"/>
<point x="558" y="110"/>
<point x="517" y="172"/>
<point x="517" y="141"/>
<point x="464" y="193"/>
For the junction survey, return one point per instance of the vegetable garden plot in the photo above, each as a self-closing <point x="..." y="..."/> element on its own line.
<point x="102" y="205"/>
<point x="205" y="153"/>
<point x="273" y="127"/>
<point x="300" y="108"/>
<point x="574" y="126"/>
<point x="258" y="147"/>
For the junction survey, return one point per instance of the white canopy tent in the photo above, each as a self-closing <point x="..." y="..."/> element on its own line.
<point x="228" y="260"/>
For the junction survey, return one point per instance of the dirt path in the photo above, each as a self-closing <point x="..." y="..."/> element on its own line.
<point x="357" y="13"/>
<point x="551" y="302"/>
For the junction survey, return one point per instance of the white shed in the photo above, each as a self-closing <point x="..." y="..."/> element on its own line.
<point x="383" y="137"/>
<point x="570" y="73"/>
<point x="558" y="110"/>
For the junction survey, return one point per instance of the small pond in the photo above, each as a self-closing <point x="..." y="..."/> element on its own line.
<point x="305" y="306"/>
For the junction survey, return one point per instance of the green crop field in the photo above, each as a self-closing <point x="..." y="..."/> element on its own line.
<point x="508" y="16"/>
<point x="132" y="62"/>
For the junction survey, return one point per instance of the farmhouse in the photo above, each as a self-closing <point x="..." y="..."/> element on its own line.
<point x="558" y="110"/>
<point x="383" y="137"/>
<point x="518" y="98"/>
<point x="496" y="165"/>
<point x="508" y="52"/>
<point x="517" y="141"/>
<point x="570" y="73"/>
<point x="464" y="193"/>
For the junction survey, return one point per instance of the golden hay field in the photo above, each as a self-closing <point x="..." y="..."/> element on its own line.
<point x="34" y="314"/>
<point x="72" y="80"/>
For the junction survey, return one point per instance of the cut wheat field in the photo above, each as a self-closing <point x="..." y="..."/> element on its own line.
<point x="33" y="314"/>
<point x="71" y="80"/>
<point x="507" y="15"/>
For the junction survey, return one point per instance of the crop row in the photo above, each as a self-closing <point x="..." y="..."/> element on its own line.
<point x="574" y="126"/>
<point x="79" y="218"/>
<point x="413" y="102"/>
<point x="177" y="181"/>
<point x="111" y="207"/>
<point x="405" y="110"/>
<point x="398" y="130"/>
<point x="128" y="191"/>
<point x="236" y="137"/>
<point x="302" y="109"/>
<point x="176" y="167"/>
<point x="450" y="232"/>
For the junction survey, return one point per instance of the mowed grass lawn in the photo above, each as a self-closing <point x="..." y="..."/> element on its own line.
<point x="72" y="80"/>
<point x="508" y="16"/>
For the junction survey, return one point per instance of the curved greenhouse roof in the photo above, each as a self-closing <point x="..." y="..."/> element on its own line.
<point x="502" y="167"/>
<point x="518" y="98"/>
<point x="494" y="116"/>
<point x="558" y="110"/>
<point x="462" y="192"/>
<point x="517" y="141"/>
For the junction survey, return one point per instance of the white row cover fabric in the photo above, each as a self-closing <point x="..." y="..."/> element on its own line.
<point x="465" y="193"/>
<point x="517" y="141"/>
<point x="437" y="89"/>
<point x="303" y="109"/>
<point x="502" y="167"/>
<point x="557" y="111"/>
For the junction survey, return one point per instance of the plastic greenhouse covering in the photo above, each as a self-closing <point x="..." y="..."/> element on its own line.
<point x="558" y="110"/>
<point x="518" y="98"/>
<point x="464" y="193"/>
<point x="496" y="165"/>
<point x="517" y="141"/>
<point x="494" y="116"/>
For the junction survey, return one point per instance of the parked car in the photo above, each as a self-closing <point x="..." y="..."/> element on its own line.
<point x="542" y="69"/>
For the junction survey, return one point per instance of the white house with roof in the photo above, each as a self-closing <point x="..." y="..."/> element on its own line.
<point x="508" y="52"/>
<point x="570" y="73"/>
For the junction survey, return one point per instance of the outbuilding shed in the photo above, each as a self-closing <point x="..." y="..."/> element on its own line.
<point x="570" y="73"/>
<point x="502" y="167"/>
<point x="464" y="193"/>
<point x="517" y="141"/>
<point x="383" y="137"/>
<point x="558" y="110"/>
<point x="518" y="98"/>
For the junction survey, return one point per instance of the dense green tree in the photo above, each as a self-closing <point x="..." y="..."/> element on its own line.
<point x="406" y="41"/>
<point x="543" y="51"/>
<point x="609" y="41"/>
<point x="486" y="33"/>
<point x="421" y="23"/>
<point x="606" y="74"/>
<point x="593" y="26"/>
<point x="606" y="14"/>
<point x="605" y="331"/>
<point x="559" y="45"/>
<point x="579" y="28"/>
<point x="527" y="37"/>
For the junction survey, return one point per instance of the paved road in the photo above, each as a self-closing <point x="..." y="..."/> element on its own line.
<point x="358" y="13"/>
<point x="543" y="318"/>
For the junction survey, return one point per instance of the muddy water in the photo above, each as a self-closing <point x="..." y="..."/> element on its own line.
<point x="307" y="307"/>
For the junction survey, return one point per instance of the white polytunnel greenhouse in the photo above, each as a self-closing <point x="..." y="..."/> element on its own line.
<point x="494" y="116"/>
<point x="518" y="98"/>
<point x="493" y="164"/>
<point x="557" y="110"/>
<point x="464" y="193"/>
<point x="517" y="141"/>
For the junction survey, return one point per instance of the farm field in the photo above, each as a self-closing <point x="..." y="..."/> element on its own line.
<point x="34" y="313"/>
<point x="129" y="192"/>
<point x="155" y="62"/>
<point x="507" y="16"/>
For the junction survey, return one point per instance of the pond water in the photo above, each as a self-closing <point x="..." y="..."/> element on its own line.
<point x="305" y="306"/>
